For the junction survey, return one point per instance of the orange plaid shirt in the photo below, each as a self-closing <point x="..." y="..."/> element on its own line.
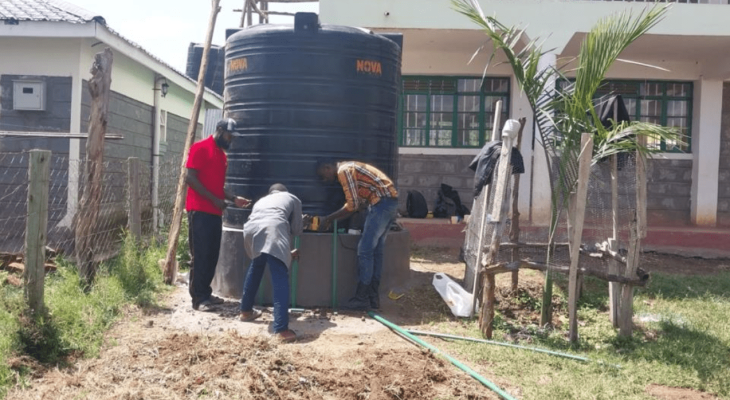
<point x="364" y="183"/>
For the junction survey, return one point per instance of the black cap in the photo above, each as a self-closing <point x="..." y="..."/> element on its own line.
<point x="227" y="124"/>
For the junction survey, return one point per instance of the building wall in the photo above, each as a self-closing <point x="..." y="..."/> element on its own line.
<point x="14" y="156"/>
<point x="669" y="184"/>
<point x="426" y="173"/>
<point x="723" y="205"/>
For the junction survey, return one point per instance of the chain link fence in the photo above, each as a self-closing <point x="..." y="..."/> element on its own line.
<point x="100" y="226"/>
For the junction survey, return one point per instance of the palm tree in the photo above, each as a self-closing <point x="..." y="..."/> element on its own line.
<point x="563" y="115"/>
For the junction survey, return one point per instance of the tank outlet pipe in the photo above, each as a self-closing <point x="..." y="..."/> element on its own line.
<point x="514" y="346"/>
<point x="294" y="275"/>
<point x="334" y="267"/>
<point x="435" y="350"/>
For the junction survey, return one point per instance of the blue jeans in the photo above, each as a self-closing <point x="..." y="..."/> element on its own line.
<point x="280" y="283"/>
<point x="372" y="242"/>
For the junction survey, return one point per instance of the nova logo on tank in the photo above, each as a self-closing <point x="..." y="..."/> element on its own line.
<point x="238" y="64"/>
<point x="369" y="67"/>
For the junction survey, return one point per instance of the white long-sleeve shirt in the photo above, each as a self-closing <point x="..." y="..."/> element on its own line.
<point x="274" y="220"/>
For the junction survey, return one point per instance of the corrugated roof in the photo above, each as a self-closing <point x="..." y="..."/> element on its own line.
<point x="62" y="11"/>
<point x="45" y="10"/>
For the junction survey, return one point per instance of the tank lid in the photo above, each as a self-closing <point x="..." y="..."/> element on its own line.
<point x="306" y="22"/>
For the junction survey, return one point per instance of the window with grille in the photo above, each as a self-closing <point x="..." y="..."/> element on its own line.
<point x="663" y="103"/>
<point x="450" y="111"/>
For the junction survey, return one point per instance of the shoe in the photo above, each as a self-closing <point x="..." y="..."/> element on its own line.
<point x="361" y="300"/>
<point x="216" y="300"/>
<point x="248" y="316"/>
<point x="287" y="336"/>
<point x="206" y="305"/>
<point x="374" y="294"/>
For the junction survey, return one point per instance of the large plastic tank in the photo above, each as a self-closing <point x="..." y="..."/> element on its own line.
<point x="300" y="93"/>
<point x="303" y="92"/>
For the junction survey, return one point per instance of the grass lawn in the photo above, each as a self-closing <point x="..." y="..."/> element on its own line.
<point x="682" y="340"/>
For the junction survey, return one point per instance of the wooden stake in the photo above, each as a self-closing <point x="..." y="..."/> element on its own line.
<point x="614" y="289"/>
<point x="514" y="233"/>
<point x="486" y="191"/>
<point x="36" y="226"/>
<point x="86" y="217"/>
<point x="575" y="230"/>
<point x="170" y="264"/>
<point x="499" y="211"/>
<point x="638" y="232"/>
<point x="135" y="216"/>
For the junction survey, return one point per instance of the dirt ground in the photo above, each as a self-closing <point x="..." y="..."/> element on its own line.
<point x="173" y="352"/>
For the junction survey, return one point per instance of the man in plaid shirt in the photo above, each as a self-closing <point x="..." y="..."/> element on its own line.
<point x="365" y="187"/>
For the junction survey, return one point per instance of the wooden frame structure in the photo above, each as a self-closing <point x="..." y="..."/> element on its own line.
<point x="623" y="274"/>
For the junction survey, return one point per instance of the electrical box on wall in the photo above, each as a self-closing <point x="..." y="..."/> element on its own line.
<point x="29" y="95"/>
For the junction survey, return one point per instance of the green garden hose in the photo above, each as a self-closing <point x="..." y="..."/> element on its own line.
<point x="334" y="267"/>
<point x="435" y="350"/>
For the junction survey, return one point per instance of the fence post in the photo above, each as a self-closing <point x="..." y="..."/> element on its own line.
<point x="135" y="216"/>
<point x="576" y="218"/>
<point x="36" y="228"/>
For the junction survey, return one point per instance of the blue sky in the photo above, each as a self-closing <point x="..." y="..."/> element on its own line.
<point x="166" y="27"/>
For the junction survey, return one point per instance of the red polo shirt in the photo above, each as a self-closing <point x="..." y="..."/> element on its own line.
<point x="211" y="163"/>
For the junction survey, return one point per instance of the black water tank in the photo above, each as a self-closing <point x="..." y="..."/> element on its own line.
<point x="215" y="71"/>
<point x="303" y="92"/>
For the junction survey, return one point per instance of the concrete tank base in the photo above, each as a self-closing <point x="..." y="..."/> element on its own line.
<point x="314" y="283"/>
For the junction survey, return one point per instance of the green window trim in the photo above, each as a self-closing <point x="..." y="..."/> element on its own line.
<point x="437" y="92"/>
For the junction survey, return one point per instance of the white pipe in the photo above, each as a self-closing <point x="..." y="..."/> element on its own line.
<point x="156" y="156"/>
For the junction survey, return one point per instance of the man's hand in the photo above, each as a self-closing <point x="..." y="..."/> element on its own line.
<point x="295" y="254"/>
<point x="220" y="204"/>
<point x="242" y="202"/>
<point x="324" y="223"/>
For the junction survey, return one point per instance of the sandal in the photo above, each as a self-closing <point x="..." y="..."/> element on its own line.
<point x="248" y="316"/>
<point x="287" y="336"/>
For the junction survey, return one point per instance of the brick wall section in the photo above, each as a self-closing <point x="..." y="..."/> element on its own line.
<point x="14" y="166"/>
<point x="669" y="186"/>
<point x="426" y="173"/>
<point x="723" y="201"/>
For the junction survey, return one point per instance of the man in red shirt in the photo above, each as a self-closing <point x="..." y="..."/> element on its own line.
<point x="205" y="202"/>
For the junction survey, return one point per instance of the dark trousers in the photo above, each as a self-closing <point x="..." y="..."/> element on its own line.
<point x="204" y="234"/>
<point x="280" y="282"/>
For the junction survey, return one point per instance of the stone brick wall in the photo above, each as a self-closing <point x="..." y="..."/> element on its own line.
<point x="426" y="173"/>
<point x="723" y="201"/>
<point x="669" y="186"/>
<point x="14" y="167"/>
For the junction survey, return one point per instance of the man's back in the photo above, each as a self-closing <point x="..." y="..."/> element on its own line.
<point x="273" y="220"/>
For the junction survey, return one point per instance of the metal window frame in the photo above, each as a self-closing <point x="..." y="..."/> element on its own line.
<point x="455" y="112"/>
<point x="664" y="98"/>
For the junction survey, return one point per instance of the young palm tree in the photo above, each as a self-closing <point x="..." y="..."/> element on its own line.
<point x="562" y="116"/>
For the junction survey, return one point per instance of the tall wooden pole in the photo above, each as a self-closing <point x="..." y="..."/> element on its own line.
<point x="36" y="228"/>
<point x="576" y="218"/>
<point x="170" y="264"/>
<point x="514" y="231"/>
<point x="499" y="211"/>
<point x="100" y="90"/>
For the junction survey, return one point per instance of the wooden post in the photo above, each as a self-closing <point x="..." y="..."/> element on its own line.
<point x="486" y="191"/>
<point x="514" y="232"/>
<point x="135" y="215"/>
<point x="638" y="232"/>
<point x="614" y="289"/>
<point x="170" y="265"/>
<point x="36" y="226"/>
<point x="86" y="217"/>
<point x="249" y="13"/>
<point x="499" y="211"/>
<point x="244" y="11"/>
<point x="576" y="218"/>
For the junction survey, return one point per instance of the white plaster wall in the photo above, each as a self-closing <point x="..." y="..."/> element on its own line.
<point x="136" y="81"/>
<point x="554" y="20"/>
<point x="39" y="56"/>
